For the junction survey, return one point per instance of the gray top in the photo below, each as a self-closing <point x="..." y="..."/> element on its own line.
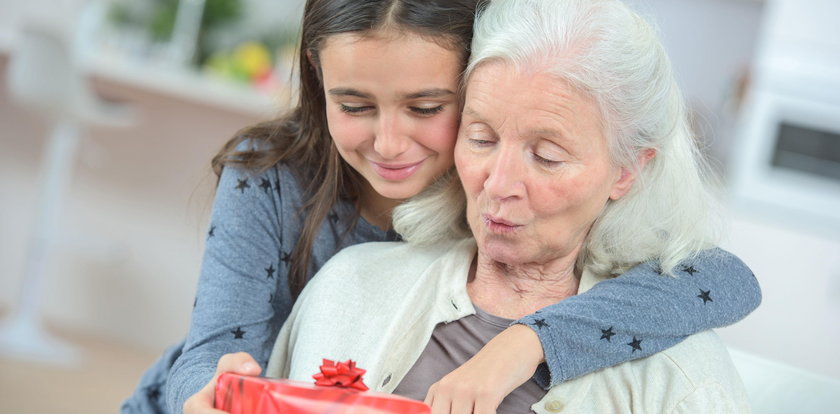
<point x="243" y="296"/>
<point x="454" y="343"/>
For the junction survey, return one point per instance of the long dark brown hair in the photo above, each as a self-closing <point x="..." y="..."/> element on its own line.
<point x="301" y="137"/>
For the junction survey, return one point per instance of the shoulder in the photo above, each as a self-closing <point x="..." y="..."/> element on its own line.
<point x="384" y="269"/>
<point x="378" y="254"/>
<point x="697" y="373"/>
<point x="275" y="183"/>
<point x="372" y="263"/>
<point x="699" y="357"/>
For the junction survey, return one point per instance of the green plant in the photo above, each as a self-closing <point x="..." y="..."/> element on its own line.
<point x="216" y="13"/>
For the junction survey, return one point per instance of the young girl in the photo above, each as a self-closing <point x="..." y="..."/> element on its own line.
<point x="375" y="124"/>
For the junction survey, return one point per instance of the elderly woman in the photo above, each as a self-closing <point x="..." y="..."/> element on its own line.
<point x="575" y="163"/>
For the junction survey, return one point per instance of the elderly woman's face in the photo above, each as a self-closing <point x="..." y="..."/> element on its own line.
<point x="534" y="162"/>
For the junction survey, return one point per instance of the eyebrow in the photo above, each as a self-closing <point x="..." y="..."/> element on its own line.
<point x="425" y="93"/>
<point x="548" y="133"/>
<point x="430" y="93"/>
<point x="470" y="112"/>
<point x="348" y="92"/>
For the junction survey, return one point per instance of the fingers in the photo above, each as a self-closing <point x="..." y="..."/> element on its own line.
<point x="461" y="406"/>
<point x="202" y="401"/>
<point x="485" y="407"/>
<point x="430" y="395"/>
<point x="439" y="403"/>
<point x="241" y="363"/>
<point x="447" y="397"/>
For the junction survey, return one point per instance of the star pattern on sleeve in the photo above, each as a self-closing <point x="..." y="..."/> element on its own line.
<point x="238" y="333"/>
<point x="705" y="295"/>
<point x="265" y="185"/>
<point x="607" y="334"/>
<point x="212" y="232"/>
<point x="269" y="271"/>
<point x="636" y="344"/>
<point x="540" y="323"/>
<point x="286" y="258"/>
<point x="153" y="391"/>
<point x="242" y="184"/>
<point x="690" y="270"/>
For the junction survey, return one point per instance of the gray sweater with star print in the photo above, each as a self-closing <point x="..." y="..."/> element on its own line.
<point x="243" y="295"/>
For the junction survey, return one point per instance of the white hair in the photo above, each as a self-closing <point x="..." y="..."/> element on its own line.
<point x="607" y="51"/>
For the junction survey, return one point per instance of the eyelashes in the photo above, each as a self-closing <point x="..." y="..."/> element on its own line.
<point x="479" y="145"/>
<point x="354" y="109"/>
<point x="545" y="161"/>
<point x="427" y="111"/>
<point x="424" y="111"/>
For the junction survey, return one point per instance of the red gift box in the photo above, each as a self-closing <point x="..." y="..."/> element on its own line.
<point x="238" y="394"/>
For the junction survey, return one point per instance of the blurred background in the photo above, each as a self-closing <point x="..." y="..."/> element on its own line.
<point x="110" y="111"/>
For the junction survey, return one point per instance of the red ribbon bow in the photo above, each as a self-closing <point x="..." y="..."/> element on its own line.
<point x="341" y="374"/>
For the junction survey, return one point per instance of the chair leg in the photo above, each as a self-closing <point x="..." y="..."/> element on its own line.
<point x="22" y="335"/>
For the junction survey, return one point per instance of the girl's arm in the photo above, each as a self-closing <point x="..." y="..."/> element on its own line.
<point x="640" y="313"/>
<point x="631" y="316"/>
<point x="242" y="296"/>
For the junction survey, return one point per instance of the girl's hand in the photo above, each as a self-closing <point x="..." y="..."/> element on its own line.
<point x="480" y="385"/>
<point x="239" y="363"/>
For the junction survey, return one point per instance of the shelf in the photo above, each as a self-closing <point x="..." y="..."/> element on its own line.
<point x="186" y="84"/>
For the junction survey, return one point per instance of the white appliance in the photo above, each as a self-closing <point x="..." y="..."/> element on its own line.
<point x="787" y="153"/>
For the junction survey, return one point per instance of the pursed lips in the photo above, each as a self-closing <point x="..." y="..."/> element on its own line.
<point x="499" y="225"/>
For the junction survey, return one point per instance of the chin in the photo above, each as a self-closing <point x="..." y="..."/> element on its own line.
<point x="398" y="191"/>
<point x="501" y="251"/>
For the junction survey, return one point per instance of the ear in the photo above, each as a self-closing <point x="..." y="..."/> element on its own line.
<point x="311" y="59"/>
<point x="628" y="175"/>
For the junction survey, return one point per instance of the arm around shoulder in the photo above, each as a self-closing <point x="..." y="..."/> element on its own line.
<point x="642" y="312"/>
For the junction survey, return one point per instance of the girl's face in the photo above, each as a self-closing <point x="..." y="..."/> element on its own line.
<point x="392" y="110"/>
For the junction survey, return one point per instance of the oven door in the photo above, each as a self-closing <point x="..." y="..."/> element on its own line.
<point x="788" y="157"/>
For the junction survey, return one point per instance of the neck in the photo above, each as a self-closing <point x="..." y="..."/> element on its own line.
<point x="376" y="209"/>
<point x="516" y="291"/>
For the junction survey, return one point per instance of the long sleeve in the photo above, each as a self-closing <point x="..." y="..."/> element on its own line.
<point x="242" y="297"/>
<point x="640" y="313"/>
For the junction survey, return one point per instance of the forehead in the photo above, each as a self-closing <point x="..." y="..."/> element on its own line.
<point x="387" y="41"/>
<point x="498" y="90"/>
<point x="375" y="59"/>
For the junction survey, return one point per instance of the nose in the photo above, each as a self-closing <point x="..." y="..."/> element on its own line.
<point x="391" y="138"/>
<point x="505" y="175"/>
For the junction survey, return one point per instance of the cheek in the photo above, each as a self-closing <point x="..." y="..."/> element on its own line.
<point x="347" y="132"/>
<point x="466" y="167"/>
<point x="580" y="199"/>
<point x="439" y="133"/>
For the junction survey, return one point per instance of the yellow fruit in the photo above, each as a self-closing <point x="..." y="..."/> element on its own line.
<point x="253" y="58"/>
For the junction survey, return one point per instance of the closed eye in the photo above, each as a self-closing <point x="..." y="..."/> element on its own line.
<point x="354" y="109"/>
<point x="426" y="111"/>
<point x="480" y="142"/>
<point x="545" y="161"/>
